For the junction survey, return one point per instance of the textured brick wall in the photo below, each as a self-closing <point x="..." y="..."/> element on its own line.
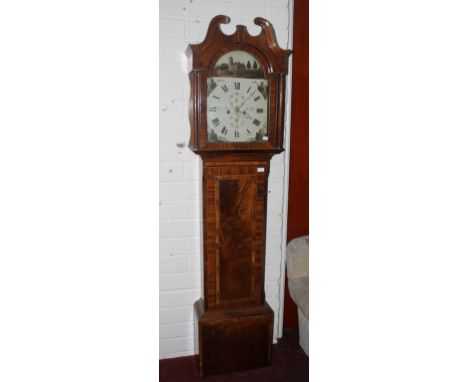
<point x="183" y="22"/>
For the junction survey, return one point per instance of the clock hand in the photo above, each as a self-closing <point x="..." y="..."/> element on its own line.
<point x="242" y="104"/>
<point x="247" y="114"/>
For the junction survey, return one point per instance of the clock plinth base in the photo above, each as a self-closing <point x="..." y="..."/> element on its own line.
<point x="234" y="339"/>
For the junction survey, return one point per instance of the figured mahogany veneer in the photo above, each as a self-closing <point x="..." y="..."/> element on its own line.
<point x="236" y="230"/>
<point x="234" y="200"/>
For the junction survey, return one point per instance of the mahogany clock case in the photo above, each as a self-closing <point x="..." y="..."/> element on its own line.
<point x="235" y="324"/>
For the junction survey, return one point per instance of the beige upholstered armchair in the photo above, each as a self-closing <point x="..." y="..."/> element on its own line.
<point x="297" y="265"/>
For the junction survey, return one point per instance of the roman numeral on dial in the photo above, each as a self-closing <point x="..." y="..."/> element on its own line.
<point x="259" y="111"/>
<point x="224" y="87"/>
<point x="215" y="122"/>
<point x="256" y="122"/>
<point x="212" y="109"/>
<point x="236" y="134"/>
<point x="224" y="130"/>
<point x="237" y="85"/>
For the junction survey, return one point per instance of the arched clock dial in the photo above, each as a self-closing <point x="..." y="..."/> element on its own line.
<point x="237" y="109"/>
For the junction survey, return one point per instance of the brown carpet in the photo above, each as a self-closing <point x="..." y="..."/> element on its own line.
<point x="289" y="364"/>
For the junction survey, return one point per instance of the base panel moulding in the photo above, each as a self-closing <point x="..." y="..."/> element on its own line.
<point x="234" y="339"/>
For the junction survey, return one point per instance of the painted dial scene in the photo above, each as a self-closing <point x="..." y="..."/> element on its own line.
<point x="237" y="100"/>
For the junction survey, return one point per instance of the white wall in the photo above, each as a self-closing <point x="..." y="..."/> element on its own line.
<point x="183" y="22"/>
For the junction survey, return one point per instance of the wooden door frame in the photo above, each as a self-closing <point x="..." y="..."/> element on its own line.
<point x="298" y="175"/>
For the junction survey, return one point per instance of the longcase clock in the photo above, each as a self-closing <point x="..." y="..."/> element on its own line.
<point x="236" y="115"/>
